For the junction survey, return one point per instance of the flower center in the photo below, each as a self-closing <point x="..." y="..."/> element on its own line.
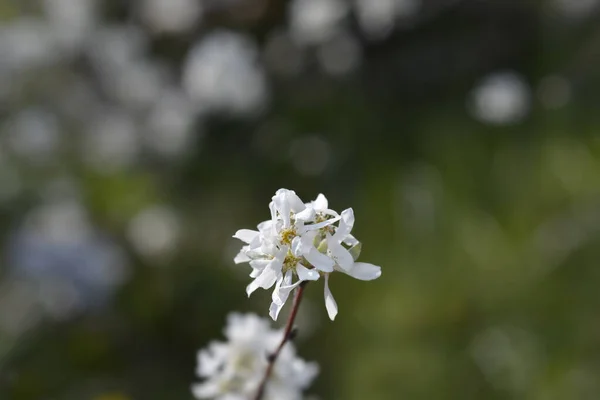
<point x="289" y="262"/>
<point x="322" y="218"/>
<point x="287" y="235"/>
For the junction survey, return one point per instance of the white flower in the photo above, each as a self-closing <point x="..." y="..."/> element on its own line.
<point x="233" y="370"/>
<point x="222" y="73"/>
<point x="501" y="98"/>
<point x="345" y="258"/>
<point x="283" y="246"/>
<point x="302" y="240"/>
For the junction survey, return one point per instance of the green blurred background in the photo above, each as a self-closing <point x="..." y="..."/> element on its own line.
<point x="137" y="136"/>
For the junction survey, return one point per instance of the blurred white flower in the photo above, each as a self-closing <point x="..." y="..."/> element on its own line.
<point x="170" y="122"/>
<point x="222" y="73"/>
<point x="116" y="47"/>
<point x="301" y="240"/>
<point x="72" y="265"/>
<point x="126" y="73"/>
<point x="72" y="21"/>
<point x="33" y="134"/>
<point x="234" y="369"/>
<point x="501" y="98"/>
<point x="112" y="142"/>
<point x="139" y="84"/>
<point x="27" y="43"/>
<point x="172" y="16"/>
<point x="154" y="231"/>
<point x="312" y="21"/>
<point x="378" y="17"/>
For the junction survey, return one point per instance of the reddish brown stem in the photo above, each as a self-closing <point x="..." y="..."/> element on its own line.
<point x="287" y="335"/>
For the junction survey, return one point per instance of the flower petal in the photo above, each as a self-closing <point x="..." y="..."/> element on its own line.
<point x="330" y="304"/>
<point x="364" y="271"/>
<point x="246" y="235"/>
<point x="274" y="310"/>
<point x="242" y="256"/>
<point x="319" y="260"/>
<point x="268" y="247"/>
<point x="305" y="274"/>
<point x="339" y="253"/>
<point x="266" y="227"/>
<point x="265" y="280"/>
<point x="260" y="263"/>
<point x="282" y="206"/>
<point x="297" y="246"/>
<point x="346" y="225"/>
<point x="350" y="240"/>
<point x="284" y="293"/>
<point x="206" y="390"/>
<point x="323" y="224"/>
<point x="308" y="214"/>
<point x="320" y="203"/>
<point x="296" y="204"/>
<point x="283" y="288"/>
<point x="255" y="273"/>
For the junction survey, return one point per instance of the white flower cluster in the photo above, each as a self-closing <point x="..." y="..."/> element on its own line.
<point x="305" y="241"/>
<point x="233" y="370"/>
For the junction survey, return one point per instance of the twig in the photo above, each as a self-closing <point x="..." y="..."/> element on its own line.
<point x="288" y="335"/>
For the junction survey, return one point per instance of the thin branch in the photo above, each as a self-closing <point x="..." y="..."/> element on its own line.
<point x="288" y="335"/>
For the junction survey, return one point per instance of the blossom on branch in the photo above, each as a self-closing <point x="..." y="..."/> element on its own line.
<point x="233" y="370"/>
<point x="301" y="242"/>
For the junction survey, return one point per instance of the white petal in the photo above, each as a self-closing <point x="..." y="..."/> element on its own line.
<point x="251" y="288"/>
<point x="350" y="240"/>
<point x="323" y="224"/>
<point x="285" y="289"/>
<point x="364" y="271"/>
<point x="305" y="274"/>
<point x="260" y="264"/>
<point x="265" y="280"/>
<point x="346" y="225"/>
<point x="266" y="227"/>
<point x="319" y="260"/>
<point x="255" y="273"/>
<point x="330" y="304"/>
<point x="308" y="214"/>
<point x="296" y="204"/>
<point x="209" y="361"/>
<point x="276" y="295"/>
<point x="274" y="310"/>
<point x="282" y="206"/>
<point x="280" y="295"/>
<point x="330" y="212"/>
<point x="206" y="390"/>
<point x="321" y="202"/>
<point x="297" y="246"/>
<point x="307" y="241"/>
<point x="340" y="254"/>
<point x="287" y="279"/>
<point x="273" y="212"/>
<point x="268" y="247"/>
<point x="284" y="293"/>
<point x="242" y="257"/>
<point x="246" y="235"/>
